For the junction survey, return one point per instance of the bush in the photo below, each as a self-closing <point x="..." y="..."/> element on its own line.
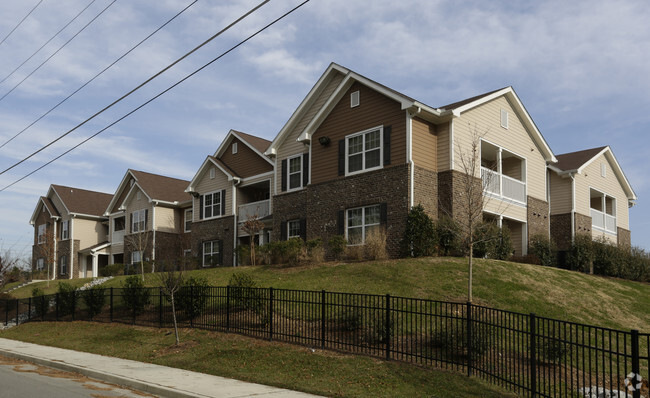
<point x="41" y="303"/>
<point x="67" y="298"/>
<point x="420" y="236"/>
<point x="192" y="298"/>
<point x="315" y="250"/>
<point x="609" y="260"/>
<point x="95" y="299"/>
<point x="453" y="340"/>
<point x="283" y="252"/>
<point x="543" y="250"/>
<point x="136" y="297"/>
<point x="244" y="254"/>
<point x="378" y="331"/>
<point x="447" y="231"/>
<point x="581" y="253"/>
<point x="502" y="248"/>
<point x="350" y="319"/>
<point x="245" y="293"/>
<point x="638" y="265"/>
<point x="337" y="245"/>
<point x="112" y="270"/>
<point x="375" y="246"/>
<point x="551" y="351"/>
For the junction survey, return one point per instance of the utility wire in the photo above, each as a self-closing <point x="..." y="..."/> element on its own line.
<point x="21" y="22"/>
<point x="139" y="86"/>
<point x="57" y="51"/>
<point x="47" y="42"/>
<point x="97" y="75"/>
<point x="159" y="94"/>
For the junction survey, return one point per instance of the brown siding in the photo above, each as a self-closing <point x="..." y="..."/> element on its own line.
<point x="425" y="144"/>
<point x="122" y="196"/>
<point x="374" y="110"/>
<point x="245" y="162"/>
<point x="443" y="146"/>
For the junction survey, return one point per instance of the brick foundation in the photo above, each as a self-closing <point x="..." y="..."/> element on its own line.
<point x="216" y="229"/>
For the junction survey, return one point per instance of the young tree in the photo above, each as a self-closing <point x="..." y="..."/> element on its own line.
<point x="141" y="242"/>
<point x="47" y="251"/>
<point x="252" y="226"/>
<point x="8" y="262"/>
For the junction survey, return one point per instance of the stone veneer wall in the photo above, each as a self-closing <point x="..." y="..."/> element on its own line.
<point x="624" y="237"/>
<point x="319" y="204"/>
<point x="425" y="191"/>
<point x="216" y="229"/>
<point x="538" y="220"/>
<point x="130" y="245"/>
<point x="63" y="248"/>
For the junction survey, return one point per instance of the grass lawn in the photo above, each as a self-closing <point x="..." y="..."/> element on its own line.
<point x="548" y="292"/>
<point x="282" y="365"/>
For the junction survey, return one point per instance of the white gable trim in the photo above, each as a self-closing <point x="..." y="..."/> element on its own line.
<point x="226" y="142"/>
<point x="208" y="162"/>
<point x="131" y="193"/>
<point x="119" y="189"/>
<point x="40" y="203"/>
<point x="49" y="192"/>
<point x="620" y="175"/>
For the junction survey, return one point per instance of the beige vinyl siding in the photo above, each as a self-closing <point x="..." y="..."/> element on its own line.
<point x="88" y="232"/>
<point x="424" y="143"/>
<point x="486" y="120"/>
<point x="610" y="185"/>
<point x="133" y="204"/>
<point x="289" y="146"/>
<point x="245" y="162"/>
<point x="165" y="219"/>
<point x="207" y="185"/>
<point x="497" y="206"/>
<point x="561" y="199"/>
<point x="516" y="235"/>
<point x="443" y="146"/>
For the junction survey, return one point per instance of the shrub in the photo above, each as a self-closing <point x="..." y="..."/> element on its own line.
<point x="350" y="319"/>
<point x="378" y="331"/>
<point x="485" y="236"/>
<point x="453" y="340"/>
<point x="315" y="250"/>
<point x="638" y="265"/>
<point x="609" y="260"/>
<point x="581" y="253"/>
<point x="448" y="231"/>
<point x="244" y="254"/>
<point x="67" y="298"/>
<point x="375" y="246"/>
<point x="551" y="350"/>
<point x="337" y="245"/>
<point x="283" y="252"/>
<point x="41" y="303"/>
<point x="420" y="236"/>
<point x="112" y="270"/>
<point x="192" y="298"/>
<point x="95" y="299"/>
<point x="502" y="248"/>
<point x="543" y="250"/>
<point x="245" y="293"/>
<point x="136" y="297"/>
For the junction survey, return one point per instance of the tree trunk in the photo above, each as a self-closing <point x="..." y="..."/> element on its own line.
<point x="142" y="268"/>
<point x="469" y="282"/>
<point x="253" y="250"/>
<point x="174" y="318"/>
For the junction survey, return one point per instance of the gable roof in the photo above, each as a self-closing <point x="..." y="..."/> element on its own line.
<point x="49" y="206"/>
<point x="82" y="201"/>
<point x="211" y="160"/>
<point x="257" y="144"/>
<point x="155" y="186"/>
<point x="435" y="115"/>
<point x="575" y="162"/>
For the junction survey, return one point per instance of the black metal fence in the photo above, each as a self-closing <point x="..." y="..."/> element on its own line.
<point x="530" y="355"/>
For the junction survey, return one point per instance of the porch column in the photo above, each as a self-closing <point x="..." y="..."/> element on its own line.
<point x="95" y="266"/>
<point x="500" y="221"/>
<point x="499" y="171"/>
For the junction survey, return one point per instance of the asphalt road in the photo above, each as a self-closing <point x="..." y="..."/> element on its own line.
<point x="23" y="379"/>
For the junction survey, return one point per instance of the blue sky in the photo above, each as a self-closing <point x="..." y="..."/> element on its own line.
<point x="579" y="67"/>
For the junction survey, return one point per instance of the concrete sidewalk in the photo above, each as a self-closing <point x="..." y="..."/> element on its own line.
<point x="154" y="379"/>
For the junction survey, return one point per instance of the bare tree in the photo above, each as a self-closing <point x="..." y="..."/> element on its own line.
<point x="140" y="241"/>
<point x="8" y="261"/>
<point x="46" y="249"/>
<point x="252" y="226"/>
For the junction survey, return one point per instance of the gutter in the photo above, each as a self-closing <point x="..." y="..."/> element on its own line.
<point x="573" y="207"/>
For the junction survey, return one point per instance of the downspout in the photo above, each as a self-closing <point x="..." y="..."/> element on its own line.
<point x="409" y="155"/>
<point x="153" y="243"/>
<point x="573" y="207"/>
<point x="71" y="234"/>
<point x="55" y="251"/>
<point x="235" y="221"/>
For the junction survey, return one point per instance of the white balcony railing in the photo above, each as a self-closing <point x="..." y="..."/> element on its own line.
<point x="603" y="221"/>
<point x="259" y="209"/>
<point x="118" y="237"/>
<point x="503" y="186"/>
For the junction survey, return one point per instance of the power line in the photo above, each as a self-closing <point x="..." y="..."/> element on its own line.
<point x="138" y="87"/>
<point x="57" y="51"/>
<point x="47" y="42"/>
<point x="158" y="95"/>
<point x="97" y="75"/>
<point x="21" y="21"/>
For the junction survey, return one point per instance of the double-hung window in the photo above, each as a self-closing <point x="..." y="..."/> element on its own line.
<point x="65" y="230"/>
<point x="293" y="229"/>
<point x="362" y="222"/>
<point x="138" y="221"/>
<point x="212" y="204"/>
<point x="210" y="253"/>
<point x="294" y="175"/>
<point x="63" y="265"/>
<point x="40" y="264"/>
<point x="188" y="220"/>
<point x="364" y="151"/>
<point x="41" y="233"/>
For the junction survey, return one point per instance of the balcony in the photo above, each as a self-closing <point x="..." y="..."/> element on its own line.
<point x="260" y="209"/>
<point x="603" y="221"/>
<point x="503" y="186"/>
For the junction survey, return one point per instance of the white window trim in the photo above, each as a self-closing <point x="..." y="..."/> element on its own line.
<point x="141" y="219"/>
<point x="40" y="264"/>
<point x="355" y="99"/>
<point x="504" y="118"/>
<point x="300" y="160"/>
<point x="218" y="207"/>
<point x="134" y="261"/>
<point x="234" y="148"/>
<point x="214" y="244"/>
<point x="187" y="253"/>
<point x="363" y="161"/>
<point x="363" y="223"/>
<point x="63" y="265"/>
<point x="603" y="170"/>
<point x="185" y="220"/>
<point x="65" y="230"/>
<point x="289" y="236"/>
<point x="212" y="173"/>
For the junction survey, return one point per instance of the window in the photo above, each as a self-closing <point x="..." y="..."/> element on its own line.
<point x="212" y="205"/>
<point x="234" y="148"/>
<point x="65" y="232"/>
<point x="212" y="173"/>
<point x="41" y="233"/>
<point x="40" y="264"/>
<point x="136" y="257"/>
<point x="364" y="151"/>
<point x="295" y="172"/>
<point x="63" y="265"/>
<point x="293" y="229"/>
<point x="354" y="99"/>
<point x="504" y="118"/>
<point x="139" y="221"/>
<point x="138" y="195"/>
<point x="211" y="253"/>
<point x="118" y="224"/>
<point x="187" y="253"/>
<point x="361" y="222"/>
<point x="188" y="220"/>
<point x="603" y="170"/>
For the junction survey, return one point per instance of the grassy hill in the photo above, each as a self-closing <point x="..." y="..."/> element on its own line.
<point x="525" y="288"/>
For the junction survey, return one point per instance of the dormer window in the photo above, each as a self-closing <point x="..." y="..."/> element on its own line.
<point x="234" y="148"/>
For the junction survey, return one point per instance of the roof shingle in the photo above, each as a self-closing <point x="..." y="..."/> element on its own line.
<point x="83" y="201"/>
<point x="163" y="188"/>
<point x="574" y="160"/>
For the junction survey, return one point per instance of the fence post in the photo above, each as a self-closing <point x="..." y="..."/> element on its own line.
<point x="533" y="354"/>
<point x="228" y="308"/>
<point x="468" y="315"/>
<point x="270" y="313"/>
<point x="191" y="306"/>
<point x="636" y="368"/>
<point x="29" y="309"/>
<point x="323" y="320"/>
<point x="56" y="313"/>
<point x="74" y="303"/>
<point x="17" y="309"/>
<point x="43" y="307"/>
<point x="6" y="312"/>
<point x="387" y="327"/>
<point x="160" y="308"/>
<point x="111" y="307"/>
